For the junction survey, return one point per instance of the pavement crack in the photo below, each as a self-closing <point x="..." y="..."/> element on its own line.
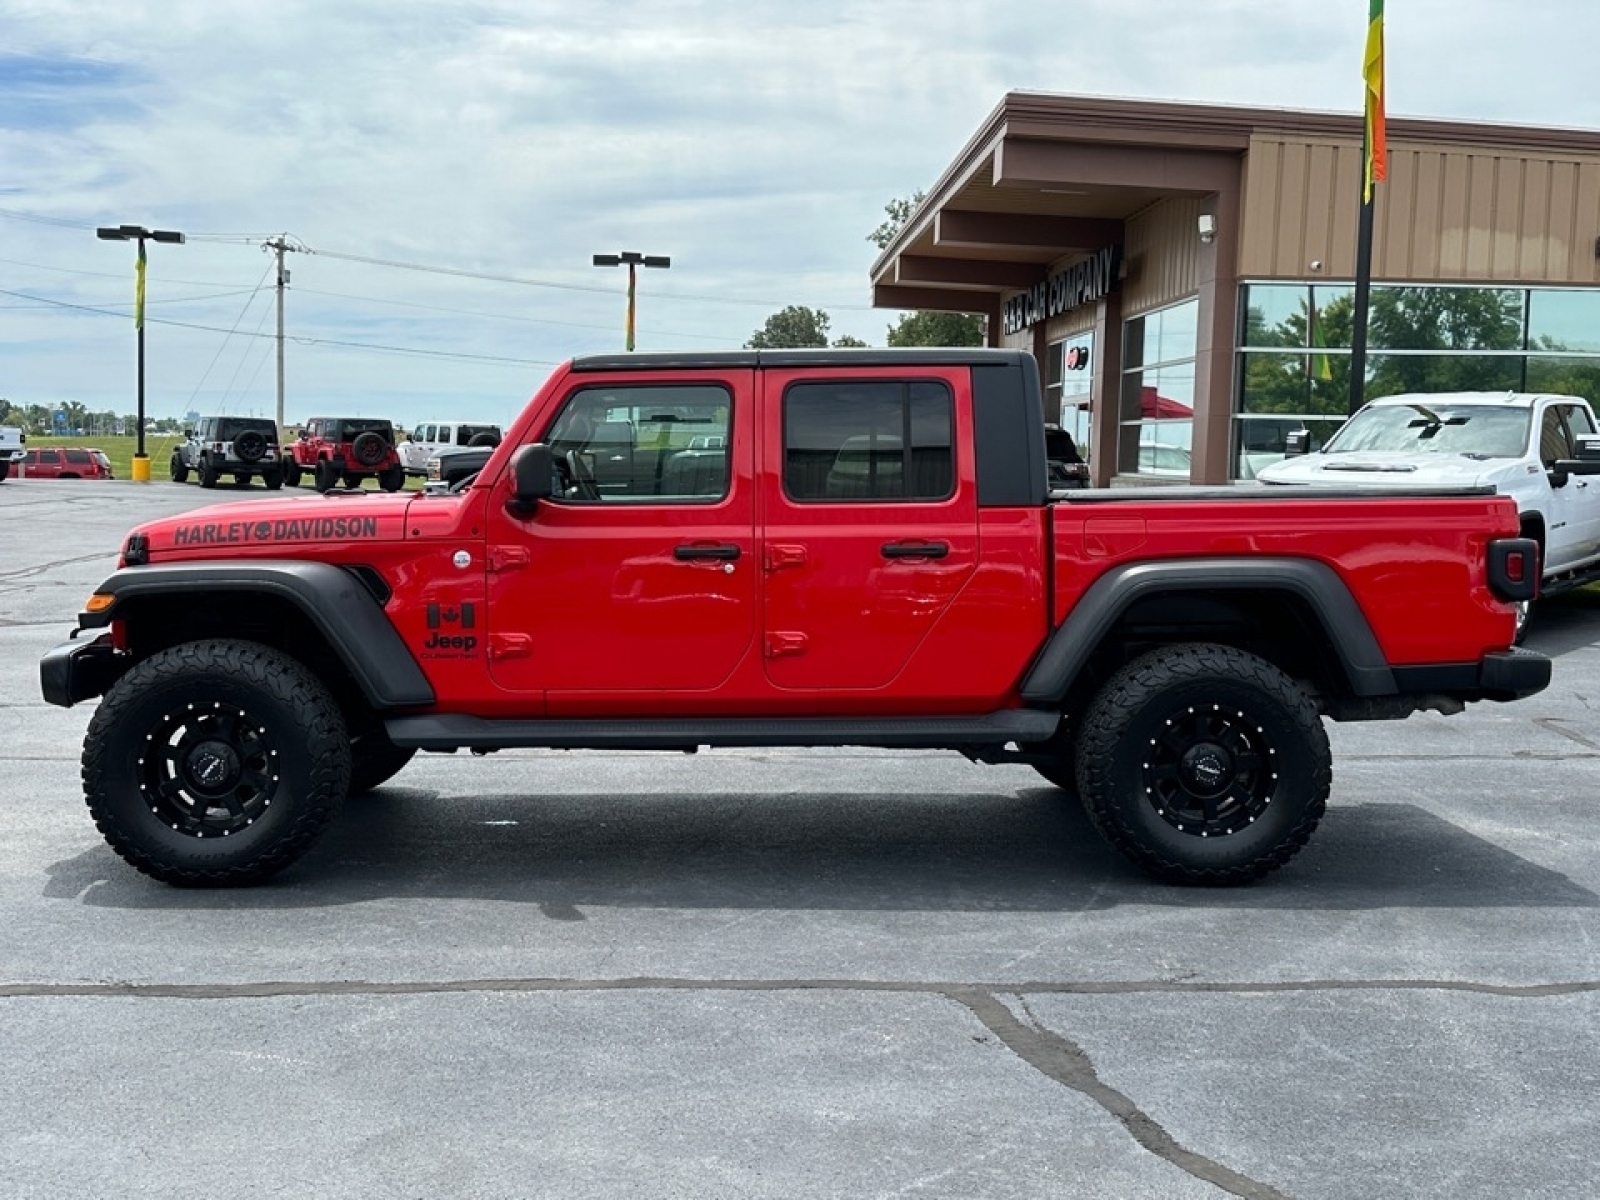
<point x="1064" y="1061"/>
<point x="271" y="989"/>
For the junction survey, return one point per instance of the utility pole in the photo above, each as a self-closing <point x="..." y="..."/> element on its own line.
<point x="280" y="245"/>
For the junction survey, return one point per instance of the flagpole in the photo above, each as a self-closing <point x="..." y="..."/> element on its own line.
<point x="1358" y="332"/>
<point x="1374" y="167"/>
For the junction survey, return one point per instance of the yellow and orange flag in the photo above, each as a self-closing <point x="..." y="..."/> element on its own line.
<point x="138" y="289"/>
<point x="1377" y="147"/>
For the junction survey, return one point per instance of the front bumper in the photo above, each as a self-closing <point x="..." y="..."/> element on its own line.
<point x="76" y="671"/>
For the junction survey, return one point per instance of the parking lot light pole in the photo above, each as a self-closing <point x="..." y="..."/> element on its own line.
<point x="634" y="260"/>
<point x="138" y="233"/>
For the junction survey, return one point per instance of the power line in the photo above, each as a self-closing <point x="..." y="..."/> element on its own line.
<point x="301" y="341"/>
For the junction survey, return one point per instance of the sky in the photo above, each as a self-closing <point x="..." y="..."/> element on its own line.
<point x="413" y="146"/>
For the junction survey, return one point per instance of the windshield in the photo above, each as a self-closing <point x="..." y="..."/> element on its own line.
<point x="1477" y="431"/>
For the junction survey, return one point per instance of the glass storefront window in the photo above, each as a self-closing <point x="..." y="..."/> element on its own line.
<point x="1260" y="441"/>
<point x="1565" y="375"/>
<point x="1563" y="320"/>
<point x="1069" y="387"/>
<point x="1293" y="361"/>
<point x="1156" y="408"/>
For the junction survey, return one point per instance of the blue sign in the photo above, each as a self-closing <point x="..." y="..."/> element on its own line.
<point x="61" y="418"/>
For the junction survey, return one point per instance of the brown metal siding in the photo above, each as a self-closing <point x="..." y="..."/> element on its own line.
<point x="1162" y="255"/>
<point x="1445" y="214"/>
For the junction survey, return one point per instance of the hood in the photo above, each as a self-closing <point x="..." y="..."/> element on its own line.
<point x="266" y="528"/>
<point x="1386" y="469"/>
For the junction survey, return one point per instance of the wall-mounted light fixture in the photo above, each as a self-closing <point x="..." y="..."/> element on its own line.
<point x="1208" y="228"/>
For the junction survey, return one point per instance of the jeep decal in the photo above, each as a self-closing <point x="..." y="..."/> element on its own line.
<point x="290" y="530"/>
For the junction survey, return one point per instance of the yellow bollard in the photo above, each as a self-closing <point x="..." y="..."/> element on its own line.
<point x="141" y="468"/>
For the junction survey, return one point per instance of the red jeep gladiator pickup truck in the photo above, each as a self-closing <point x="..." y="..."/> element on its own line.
<point x="785" y="548"/>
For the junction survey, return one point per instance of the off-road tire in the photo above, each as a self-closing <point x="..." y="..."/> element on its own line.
<point x="484" y="439"/>
<point x="1189" y="722"/>
<point x="250" y="446"/>
<point x="273" y="480"/>
<point x="324" y="475"/>
<point x="179" y="471"/>
<point x="392" y="479"/>
<point x="215" y="763"/>
<point x="291" y="474"/>
<point x="352" y="479"/>
<point x="208" y="473"/>
<point x="369" y="449"/>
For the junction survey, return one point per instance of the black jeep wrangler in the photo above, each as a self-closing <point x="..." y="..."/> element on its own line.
<point x="244" y="447"/>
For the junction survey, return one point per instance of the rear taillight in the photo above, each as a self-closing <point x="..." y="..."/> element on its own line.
<point x="1514" y="568"/>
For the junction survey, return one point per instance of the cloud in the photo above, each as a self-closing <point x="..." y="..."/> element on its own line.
<point x="756" y="143"/>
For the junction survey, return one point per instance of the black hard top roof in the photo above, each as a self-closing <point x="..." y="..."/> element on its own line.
<point x="940" y="356"/>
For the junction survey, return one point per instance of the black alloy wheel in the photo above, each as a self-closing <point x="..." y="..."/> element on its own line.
<point x="215" y="763"/>
<point x="1204" y="764"/>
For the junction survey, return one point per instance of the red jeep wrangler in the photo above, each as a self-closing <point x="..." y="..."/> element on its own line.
<point x="346" y="450"/>
<point x="785" y="548"/>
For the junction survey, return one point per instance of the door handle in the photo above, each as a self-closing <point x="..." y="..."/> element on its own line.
<point x="916" y="549"/>
<point x="726" y="553"/>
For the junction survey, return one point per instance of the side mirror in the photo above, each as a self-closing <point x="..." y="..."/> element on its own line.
<point x="1587" y="462"/>
<point x="532" y="479"/>
<point x="1296" y="442"/>
<point x="188" y="433"/>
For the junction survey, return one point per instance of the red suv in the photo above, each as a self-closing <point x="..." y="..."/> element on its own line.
<point x="346" y="450"/>
<point x="54" y="462"/>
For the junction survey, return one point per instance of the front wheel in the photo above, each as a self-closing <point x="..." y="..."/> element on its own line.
<point x="324" y="476"/>
<point x="291" y="474"/>
<point x="215" y="763"/>
<point x="1204" y="764"/>
<point x="179" y="472"/>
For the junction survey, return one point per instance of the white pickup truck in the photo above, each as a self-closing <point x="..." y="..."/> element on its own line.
<point x="12" y="444"/>
<point x="1515" y="442"/>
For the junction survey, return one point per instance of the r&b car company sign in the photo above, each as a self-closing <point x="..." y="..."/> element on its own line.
<point x="1081" y="283"/>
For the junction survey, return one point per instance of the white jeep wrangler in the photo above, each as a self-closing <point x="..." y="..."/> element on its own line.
<point x="429" y="437"/>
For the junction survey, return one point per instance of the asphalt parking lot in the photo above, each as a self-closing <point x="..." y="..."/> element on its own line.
<point x="797" y="974"/>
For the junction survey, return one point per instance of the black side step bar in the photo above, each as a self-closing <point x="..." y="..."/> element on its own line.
<point x="451" y="731"/>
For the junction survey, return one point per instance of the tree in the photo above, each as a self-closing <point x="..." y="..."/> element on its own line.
<point x="846" y="340"/>
<point x="793" y="328"/>
<point x="927" y="328"/>
<point x="899" y="213"/>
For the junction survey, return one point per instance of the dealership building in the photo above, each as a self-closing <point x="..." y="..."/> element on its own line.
<point x="1184" y="273"/>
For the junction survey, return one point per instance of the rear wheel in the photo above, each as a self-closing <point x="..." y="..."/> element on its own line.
<point x="291" y="474"/>
<point x="273" y="480"/>
<point x="392" y="479"/>
<point x="208" y="473"/>
<point x="215" y="763"/>
<point x="1204" y="764"/>
<point x="324" y="476"/>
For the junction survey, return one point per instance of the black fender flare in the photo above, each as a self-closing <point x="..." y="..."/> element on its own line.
<point x="1316" y="583"/>
<point x="335" y="601"/>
